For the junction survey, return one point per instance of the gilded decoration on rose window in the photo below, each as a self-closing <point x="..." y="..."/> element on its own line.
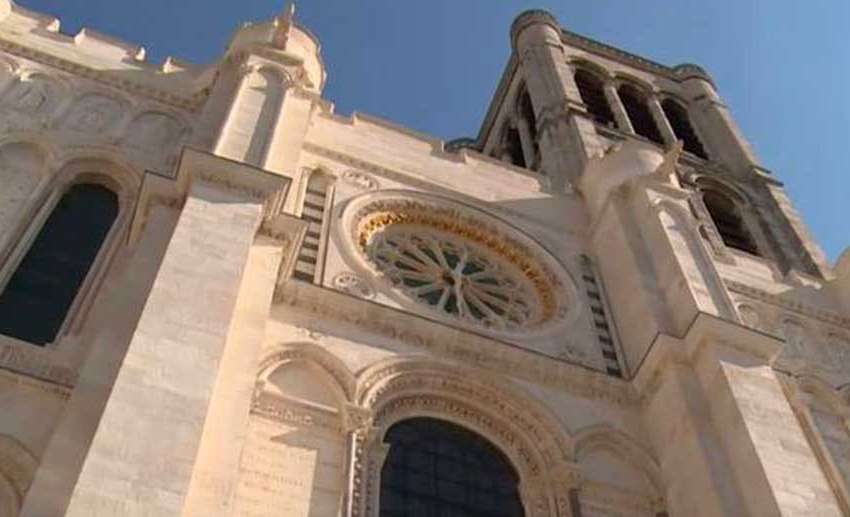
<point x="458" y="266"/>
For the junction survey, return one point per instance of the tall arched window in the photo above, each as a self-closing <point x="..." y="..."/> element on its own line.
<point x="528" y="121"/>
<point x="679" y="120"/>
<point x="40" y="292"/>
<point x="512" y="146"/>
<point x="435" y="468"/>
<point x="636" y="107"/>
<point x="592" y="92"/>
<point x="729" y="222"/>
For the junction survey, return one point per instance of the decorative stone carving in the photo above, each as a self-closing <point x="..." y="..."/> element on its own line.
<point x="94" y="114"/>
<point x="396" y="392"/>
<point x="460" y="263"/>
<point x="360" y="180"/>
<point x="155" y="130"/>
<point x="750" y="316"/>
<point x="350" y="283"/>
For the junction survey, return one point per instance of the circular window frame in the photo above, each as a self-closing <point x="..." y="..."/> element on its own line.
<point x="366" y="215"/>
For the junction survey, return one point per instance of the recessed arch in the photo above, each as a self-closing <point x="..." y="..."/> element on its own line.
<point x="679" y="117"/>
<point x="402" y="388"/>
<point x="591" y="89"/>
<point x="17" y="470"/>
<point x="332" y="367"/>
<point x="636" y="103"/>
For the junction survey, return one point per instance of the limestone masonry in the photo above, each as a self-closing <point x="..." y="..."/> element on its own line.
<point x="220" y="298"/>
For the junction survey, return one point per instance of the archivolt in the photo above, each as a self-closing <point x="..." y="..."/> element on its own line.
<point x="527" y="433"/>
<point x="315" y="354"/>
<point x="17" y="469"/>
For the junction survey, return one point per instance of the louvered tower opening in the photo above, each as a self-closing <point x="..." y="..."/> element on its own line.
<point x="635" y="104"/>
<point x="317" y="199"/>
<point x="591" y="90"/>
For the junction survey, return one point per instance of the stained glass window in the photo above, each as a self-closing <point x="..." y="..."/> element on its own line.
<point x="39" y="294"/>
<point x="437" y="469"/>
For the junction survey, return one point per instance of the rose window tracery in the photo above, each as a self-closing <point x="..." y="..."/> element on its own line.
<point x="453" y="276"/>
<point x="457" y="263"/>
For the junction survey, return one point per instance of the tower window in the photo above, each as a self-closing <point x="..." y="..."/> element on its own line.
<point x="513" y="147"/>
<point x="636" y="107"/>
<point x="592" y="92"/>
<point x="438" y="468"/>
<point x="681" y="124"/>
<point x="40" y="292"/>
<point x="528" y="122"/>
<point x="729" y="222"/>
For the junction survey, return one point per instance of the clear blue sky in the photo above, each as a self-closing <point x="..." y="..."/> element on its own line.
<point x="782" y="65"/>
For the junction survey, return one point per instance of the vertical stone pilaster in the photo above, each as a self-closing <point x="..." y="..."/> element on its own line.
<point x="774" y="461"/>
<point x="120" y="302"/>
<point x="566" y="142"/>
<point x="617" y="108"/>
<point x="661" y="121"/>
<point x="143" y="454"/>
<point x="676" y="416"/>
<point x="215" y="475"/>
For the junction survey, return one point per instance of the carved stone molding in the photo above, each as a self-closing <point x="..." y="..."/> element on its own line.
<point x="312" y="303"/>
<point x="360" y="180"/>
<point x="791" y="305"/>
<point x="353" y="284"/>
<point x="36" y="364"/>
<point x="397" y="392"/>
<point x="279" y="409"/>
<point x="192" y="103"/>
<point x="544" y="292"/>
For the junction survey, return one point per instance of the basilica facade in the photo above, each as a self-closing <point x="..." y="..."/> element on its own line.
<point x="218" y="297"/>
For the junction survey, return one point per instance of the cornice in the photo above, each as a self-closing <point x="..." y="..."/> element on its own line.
<point x="191" y="103"/>
<point x="35" y="366"/>
<point x="316" y="303"/>
<point x="676" y="73"/>
<point x="822" y="315"/>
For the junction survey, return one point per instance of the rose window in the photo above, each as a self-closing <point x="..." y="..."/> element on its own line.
<point x="457" y="262"/>
<point x="452" y="276"/>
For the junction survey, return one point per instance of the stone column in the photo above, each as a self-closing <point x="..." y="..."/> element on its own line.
<point x="661" y="121"/>
<point x="566" y="141"/>
<point x="527" y="142"/>
<point x="617" y="108"/>
<point x="143" y="454"/>
<point x="254" y="113"/>
<point x="715" y="122"/>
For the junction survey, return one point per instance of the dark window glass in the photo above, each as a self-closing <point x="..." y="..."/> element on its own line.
<point x="641" y="118"/>
<point x="513" y="146"/>
<point x="526" y="110"/>
<point x="592" y="93"/>
<point x="681" y="124"/>
<point x="729" y="223"/>
<point x="436" y="469"/>
<point x="35" y="301"/>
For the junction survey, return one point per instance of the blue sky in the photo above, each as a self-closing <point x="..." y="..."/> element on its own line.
<point x="783" y="66"/>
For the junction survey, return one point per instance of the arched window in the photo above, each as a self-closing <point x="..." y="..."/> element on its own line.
<point x="40" y="292"/>
<point x="435" y="468"/>
<point x="525" y="111"/>
<point x="681" y="124"/>
<point x="512" y="146"/>
<point x="729" y="222"/>
<point x="636" y="107"/>
<point x="592" y="92"/>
